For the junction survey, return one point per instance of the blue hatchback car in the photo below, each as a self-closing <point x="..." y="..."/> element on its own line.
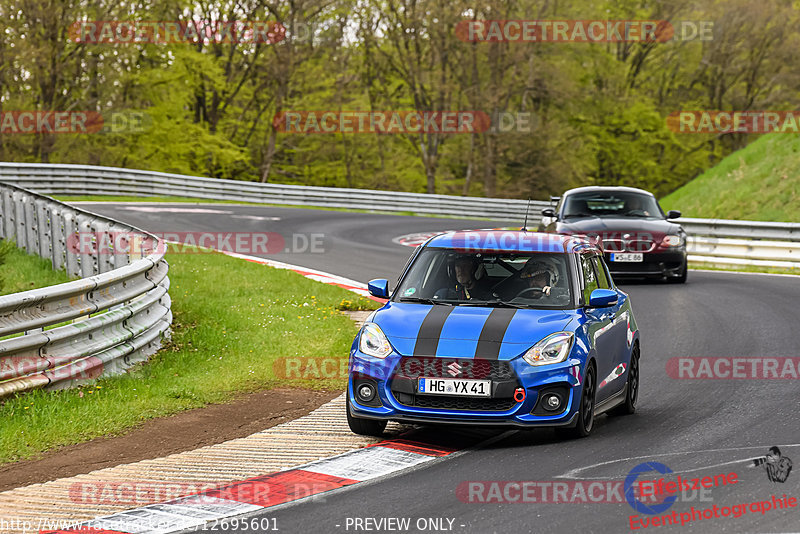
<point x="497" y="328"/>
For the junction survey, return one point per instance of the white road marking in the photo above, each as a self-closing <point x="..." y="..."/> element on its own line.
<point x="255" y="218"/>
<point x="572" y="473"/>
<point x="158" y="209"/>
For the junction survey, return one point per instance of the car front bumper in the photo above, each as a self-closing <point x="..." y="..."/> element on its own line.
<point x="397" y="397"/>
<point x="658" y="264"/>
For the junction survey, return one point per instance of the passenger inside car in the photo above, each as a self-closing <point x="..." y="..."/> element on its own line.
<point x="539" y="275"/>
<point x="540" y="278"/>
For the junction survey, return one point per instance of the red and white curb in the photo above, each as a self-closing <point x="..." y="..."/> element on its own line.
<point x="260" y="493"/>
<point x="416" y="239"/>
<point x="312" y="274"/>
<point x="278" y="488"/>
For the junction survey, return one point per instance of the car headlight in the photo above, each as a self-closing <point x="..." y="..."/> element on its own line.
<point x="372" y="341"/>
<point x="672" y="241"/>
<point x="552" y="349"/>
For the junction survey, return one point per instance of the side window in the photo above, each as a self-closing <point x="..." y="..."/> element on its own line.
<point x="589" y="277"/>
<point x="602" y="277"/>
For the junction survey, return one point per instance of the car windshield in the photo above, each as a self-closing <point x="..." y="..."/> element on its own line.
<point x="612" y="204"/>
<point x="497" y="279"/>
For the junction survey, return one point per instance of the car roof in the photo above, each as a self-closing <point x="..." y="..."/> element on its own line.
<point x="607" y="189"/>
<point x="509" y="241"/>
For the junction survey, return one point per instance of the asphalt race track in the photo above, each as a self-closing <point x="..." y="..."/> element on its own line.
<point x="695" y="427"/>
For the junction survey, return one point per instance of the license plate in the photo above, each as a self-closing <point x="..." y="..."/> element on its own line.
<point x="627" y="256"/>
<point x="451" y="386"/>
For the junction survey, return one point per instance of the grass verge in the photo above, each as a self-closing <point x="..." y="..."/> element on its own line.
<point x="20" y="271"/>
<point x="233" y="321"/>
<point x="759" y="183"/>
<point x="742" y="269"/>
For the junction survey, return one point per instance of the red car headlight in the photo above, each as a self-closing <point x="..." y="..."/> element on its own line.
<point x="672" y="241"/>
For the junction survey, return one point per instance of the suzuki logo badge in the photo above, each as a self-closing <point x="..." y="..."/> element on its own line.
<point x="453" y="369"/>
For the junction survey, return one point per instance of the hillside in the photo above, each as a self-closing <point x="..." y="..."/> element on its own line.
<point x="761" y="182"/>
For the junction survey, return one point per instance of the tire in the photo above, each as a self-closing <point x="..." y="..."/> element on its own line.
<point x="629" y="406"/>
<point x="364" y="427"/>
<point x="585" y="423"/>
<point x="682" y="278"/>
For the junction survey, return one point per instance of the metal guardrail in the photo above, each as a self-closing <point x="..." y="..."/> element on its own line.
<point x="86" y="180"/>
<point x="726" y="228"/>
<point x="712" y="241"/>
<point x="116" y="314"/>
<point x="743" y="252"/>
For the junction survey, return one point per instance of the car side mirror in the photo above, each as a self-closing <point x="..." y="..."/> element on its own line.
<point x="602" y="298"/>
<point x="379" y="288"/>
<point x="548" y="212"/>
<point x="673" y="214"/>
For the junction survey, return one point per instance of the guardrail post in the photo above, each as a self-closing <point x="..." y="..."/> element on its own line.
<point x="19" y="220"/>
<point x="72" y="249"/>
<point x="31" y="224"/>
<point x="104" y="245"/>
<point x="121" y="241"/>
<point x="58" y="237"/>
<point x="88" y="245"/>
<point x="6" y="214"/>
<point x="44" y="228"/>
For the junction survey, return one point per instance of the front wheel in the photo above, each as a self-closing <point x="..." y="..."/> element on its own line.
<point x="364" y="427"/>
<point x="585" y="422"/>
<point x="629" y="406"/>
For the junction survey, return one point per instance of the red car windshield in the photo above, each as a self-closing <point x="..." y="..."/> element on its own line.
<point x="612" y="204"/>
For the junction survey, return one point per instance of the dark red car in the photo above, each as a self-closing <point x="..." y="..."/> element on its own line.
<point x="637" y="237"/>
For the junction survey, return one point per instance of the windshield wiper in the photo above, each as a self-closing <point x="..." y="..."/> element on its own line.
<point x="425" y="300"/>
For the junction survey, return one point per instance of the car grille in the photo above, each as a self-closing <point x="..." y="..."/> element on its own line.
<point x="410" y="368"/>
<point x="628" y="245"/>
<point x="455" y="403"/>
<point x="414" y="367"/>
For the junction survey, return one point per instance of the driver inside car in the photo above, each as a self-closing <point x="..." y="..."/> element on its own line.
<point x="635" y="205"/>
<point x="469" y="283"/>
